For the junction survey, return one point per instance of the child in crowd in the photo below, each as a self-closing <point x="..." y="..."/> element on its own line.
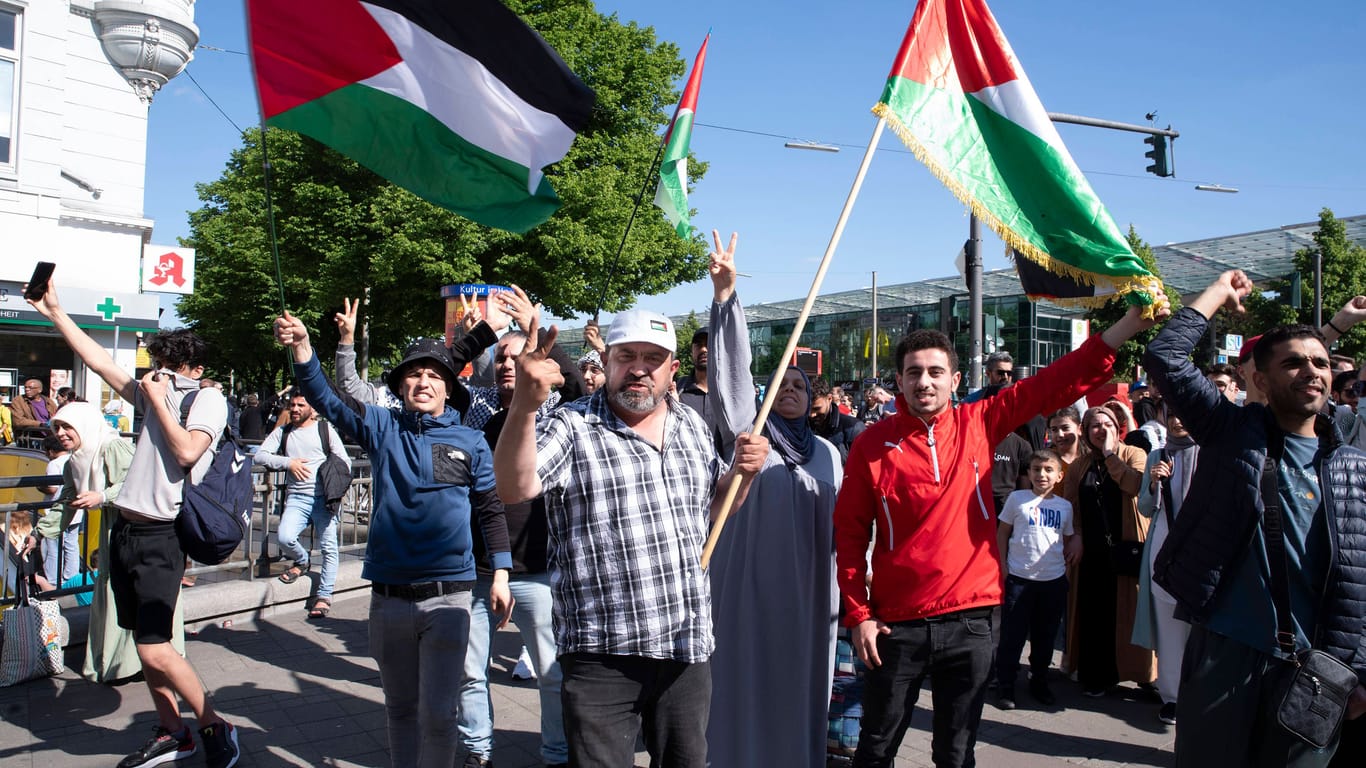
<point x="1037" y="544"/>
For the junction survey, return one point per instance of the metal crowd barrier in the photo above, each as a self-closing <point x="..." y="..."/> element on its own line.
<point x="270" y="487"/>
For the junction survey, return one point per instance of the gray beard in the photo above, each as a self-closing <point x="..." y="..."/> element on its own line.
<point x="635" y="402"/>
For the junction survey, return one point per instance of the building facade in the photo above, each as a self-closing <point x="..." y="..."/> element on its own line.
<point x="76" y="79"/>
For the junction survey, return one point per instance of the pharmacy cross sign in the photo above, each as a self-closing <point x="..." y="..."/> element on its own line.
<point x="109" y="309"/>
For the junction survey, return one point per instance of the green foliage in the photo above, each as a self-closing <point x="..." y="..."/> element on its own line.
<point x="1344" y="277"/>
<point x="343" y="231"/>
<point x="1130" y="355"/>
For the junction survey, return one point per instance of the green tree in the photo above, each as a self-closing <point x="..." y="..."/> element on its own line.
<point x="1130" y="355"/>
<point x="342" y="231"/>
<point x="1344" y="277"/>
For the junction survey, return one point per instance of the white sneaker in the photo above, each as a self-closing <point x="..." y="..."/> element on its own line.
<point x="523" y="671"/>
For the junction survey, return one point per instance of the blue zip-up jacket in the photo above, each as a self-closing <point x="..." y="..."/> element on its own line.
<point x="428" y="474"/>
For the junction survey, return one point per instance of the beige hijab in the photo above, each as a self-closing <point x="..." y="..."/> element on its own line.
<point x="87" y="466"/>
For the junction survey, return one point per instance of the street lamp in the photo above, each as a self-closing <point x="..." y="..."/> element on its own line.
<point x="812" y="145"/>
<point x="1216" y="188"/>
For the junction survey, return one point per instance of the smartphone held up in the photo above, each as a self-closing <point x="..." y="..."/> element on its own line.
<point x="37" y="284"/>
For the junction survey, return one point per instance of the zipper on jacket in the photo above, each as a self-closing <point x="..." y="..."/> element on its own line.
<point x="977" y="486"/>
<point x="887" y="515"/>
<point x="934" y="453"/>
<point x="1326" y="493"/>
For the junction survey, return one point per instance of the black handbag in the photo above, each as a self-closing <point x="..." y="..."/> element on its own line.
<point x="1126" y="557"/>
<point x="1312" y="687"/>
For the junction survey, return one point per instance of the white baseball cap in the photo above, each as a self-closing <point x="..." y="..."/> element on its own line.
<point x="643" y="325"/>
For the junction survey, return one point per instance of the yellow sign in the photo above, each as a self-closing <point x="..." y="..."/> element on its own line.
<point x="143" y="360"/>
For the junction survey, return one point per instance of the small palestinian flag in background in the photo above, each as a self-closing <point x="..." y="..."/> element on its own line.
<point x="958" y="98"/>
<point x="672" y="194"/>
<point x="458" y="102"/>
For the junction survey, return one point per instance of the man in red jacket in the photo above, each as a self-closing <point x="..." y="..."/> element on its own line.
<point x="924" y="477"/>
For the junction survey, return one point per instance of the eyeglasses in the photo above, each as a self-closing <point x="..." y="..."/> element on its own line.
<point x="1004" y="373"/>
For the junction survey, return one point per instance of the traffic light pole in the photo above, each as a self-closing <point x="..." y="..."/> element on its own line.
<point x="1095" y="122"/>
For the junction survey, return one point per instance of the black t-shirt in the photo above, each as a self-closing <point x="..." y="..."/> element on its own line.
<point x="1011" y="461"/>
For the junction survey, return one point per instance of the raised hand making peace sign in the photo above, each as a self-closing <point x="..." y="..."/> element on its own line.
<point x="537" y="373"/>
<point x="722" y="268"/>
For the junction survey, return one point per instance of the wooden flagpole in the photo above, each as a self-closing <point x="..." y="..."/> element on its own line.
<point x="772" y="394"/>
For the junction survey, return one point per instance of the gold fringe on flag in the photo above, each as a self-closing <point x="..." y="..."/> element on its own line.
<point x="1142" y="286"/>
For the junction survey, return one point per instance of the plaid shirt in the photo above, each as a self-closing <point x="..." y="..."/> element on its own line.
<point x="627" y="526"/>
<point x="485" y="402"/>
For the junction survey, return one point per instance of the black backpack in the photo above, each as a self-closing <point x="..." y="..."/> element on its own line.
<point x="334" y="477"/>
<point x="215" y="512"/>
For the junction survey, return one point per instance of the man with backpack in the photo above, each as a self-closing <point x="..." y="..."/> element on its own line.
<point x="301" y="447"/>
<point x="146" y="560"/>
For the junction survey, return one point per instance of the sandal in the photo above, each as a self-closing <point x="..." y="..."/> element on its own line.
<point x="320" y="609"/>
<point x="292" y="574"/>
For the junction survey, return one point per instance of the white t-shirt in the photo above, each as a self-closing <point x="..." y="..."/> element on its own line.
<point x="1036" y="539"/>
<point x="153" y="485"/>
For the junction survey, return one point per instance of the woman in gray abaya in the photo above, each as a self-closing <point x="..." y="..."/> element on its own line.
<point x="772" y="572"/>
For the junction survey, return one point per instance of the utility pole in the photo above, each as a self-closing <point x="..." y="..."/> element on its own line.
<point x="874" y="338"/>
<point x="973" y="263"/>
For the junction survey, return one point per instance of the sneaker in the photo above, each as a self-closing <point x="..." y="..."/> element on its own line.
<point x="1005" y="698"/>
<point x="1168" y="713"/>
<point x="1038" y="688"/>
<point x="220" y="745"/>
<point x="523" y="670"/>
<point x="163" y="747"/>
<point x="1093" y="693"/>
<point x="475" y="761"/>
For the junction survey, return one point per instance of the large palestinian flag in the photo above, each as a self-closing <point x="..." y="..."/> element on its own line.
<point x="459" y="102"/>
<point x="958" y="98"/>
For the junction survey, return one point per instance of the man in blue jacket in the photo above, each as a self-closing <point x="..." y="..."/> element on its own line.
<point x="430" y="475"/>
<point x="1215" y="562"/>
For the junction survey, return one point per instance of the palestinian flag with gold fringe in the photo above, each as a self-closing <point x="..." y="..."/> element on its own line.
<point x="958" y="98"/>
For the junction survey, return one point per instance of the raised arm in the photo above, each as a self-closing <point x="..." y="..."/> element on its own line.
<point x="341" y="409"/>
<point x="730" y="386"/>
<point x="87" y="349"/>
<point x="348" y="379"/>
<point x="514" y="460"/>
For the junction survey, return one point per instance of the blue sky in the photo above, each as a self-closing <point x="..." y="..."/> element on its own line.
<point x="1260" y="92"/>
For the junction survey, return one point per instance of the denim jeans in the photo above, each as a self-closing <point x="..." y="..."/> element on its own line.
<point x="420" y="650"/>
<point x="609" y="699"/>
<point x="955" y="651"/>
<point x="1033" y="610"/>
<point x="533" y="619"/>
<point x="299" y="512"/>
<point x="68" y="547"/>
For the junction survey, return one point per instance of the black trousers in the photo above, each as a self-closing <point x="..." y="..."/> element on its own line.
<point x="955" y="651"/>
<point x="609" y="699"/>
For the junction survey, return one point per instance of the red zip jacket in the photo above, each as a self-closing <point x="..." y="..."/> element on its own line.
<point x="928" y="487"/>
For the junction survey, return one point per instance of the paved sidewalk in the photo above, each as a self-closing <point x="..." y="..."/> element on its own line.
<point x="306" y="693"/>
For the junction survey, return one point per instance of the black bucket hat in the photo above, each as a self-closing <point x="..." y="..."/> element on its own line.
<point x="435" y="351"/>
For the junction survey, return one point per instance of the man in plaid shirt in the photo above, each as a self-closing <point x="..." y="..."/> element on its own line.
<point x="629" y="478"/>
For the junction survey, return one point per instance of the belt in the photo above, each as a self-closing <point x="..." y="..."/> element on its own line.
<point x="426" y="590"/>
<point x="964" y="615"/>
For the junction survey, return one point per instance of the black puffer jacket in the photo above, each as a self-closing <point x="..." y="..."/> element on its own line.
<point x="838" y="428"/>
<point x="1224" y="506"/>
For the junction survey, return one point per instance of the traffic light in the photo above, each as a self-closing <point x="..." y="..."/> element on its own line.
<point x="1158" y="154"/>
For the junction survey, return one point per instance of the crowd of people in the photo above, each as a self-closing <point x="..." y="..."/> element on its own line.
<point x="1190" y="536"/>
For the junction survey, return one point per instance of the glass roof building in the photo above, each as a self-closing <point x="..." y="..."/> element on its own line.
<point x="1035" y="333"/>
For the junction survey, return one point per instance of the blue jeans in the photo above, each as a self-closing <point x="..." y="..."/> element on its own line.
<point x="69" y="548"/>
<point x="532" y="616"/>
<point x="299" y="512"/>
<point x="1033" y="610"/>
<point x="420" y="649"/>
<point x="954" y="650"/>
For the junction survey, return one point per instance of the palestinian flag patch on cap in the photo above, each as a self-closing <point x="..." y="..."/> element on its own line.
<point x="655" y="325"/>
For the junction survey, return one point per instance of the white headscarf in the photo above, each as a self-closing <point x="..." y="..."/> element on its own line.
<point x="87" y="466"/>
